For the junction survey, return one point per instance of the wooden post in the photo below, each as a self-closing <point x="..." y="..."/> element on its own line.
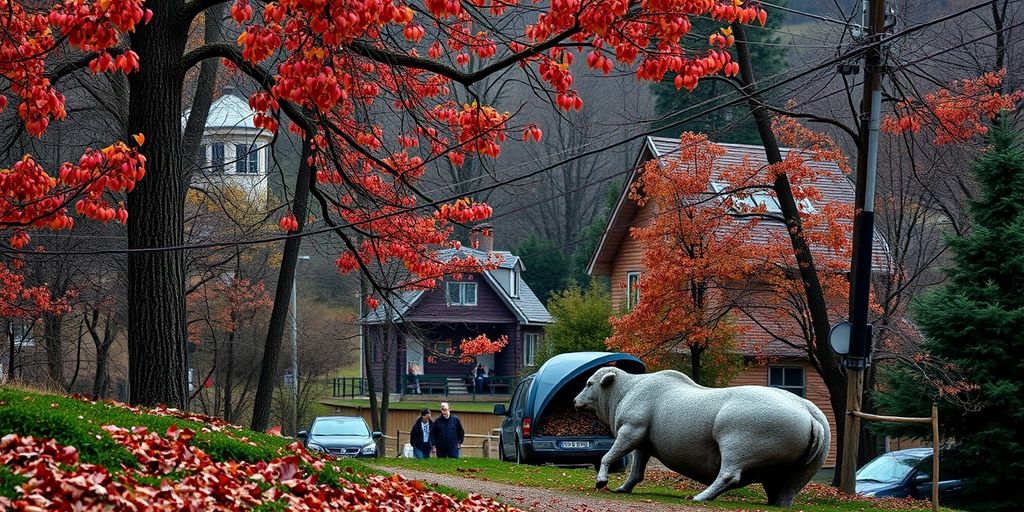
<point x="851" y="435"/>
<point x="398" y="443"/>
<point x="486" y="446"/>
<point x="935" y="458"/>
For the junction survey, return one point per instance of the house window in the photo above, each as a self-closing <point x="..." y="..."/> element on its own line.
<point x="755" y="199"/>
<point x="217" y="157"/>
<point x="22" y="331"/>
<point x="514" y="283"/>
<point x="247" y="159"/>
<point x="530" y="348"/>
<point x="461" y="294"/>
<point x="632" y="289"/>
<point x="790" y="378"/>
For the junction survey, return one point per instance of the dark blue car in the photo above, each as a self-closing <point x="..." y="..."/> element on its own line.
<point x="541" y="423"/>
<point x="905" y="473"/>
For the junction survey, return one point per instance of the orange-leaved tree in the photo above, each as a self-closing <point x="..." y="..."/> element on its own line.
<point x="717" y="251"/>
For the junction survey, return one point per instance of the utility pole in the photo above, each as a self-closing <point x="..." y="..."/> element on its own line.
<point x="295" y="347"/>
<point x="863" y="236"/>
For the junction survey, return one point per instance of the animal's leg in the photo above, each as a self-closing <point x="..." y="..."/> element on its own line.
<point x="728" y="478"/>
<point x="636" y="475"/>
<point x="780" y="492"/>
<point x="626" y="440"/>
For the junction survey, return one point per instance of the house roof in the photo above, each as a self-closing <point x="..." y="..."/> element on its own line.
<point x="836" y="189"/>
<point x="527" y="308"/>
<point x="229" y="113"/>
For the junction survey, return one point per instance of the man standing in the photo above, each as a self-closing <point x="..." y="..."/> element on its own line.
<point x="421" y="436"/>
<point x="448" y="434"/>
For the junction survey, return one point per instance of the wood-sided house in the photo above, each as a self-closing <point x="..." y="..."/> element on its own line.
<point x="426" y="323"/>
<point x="771" y="362"/>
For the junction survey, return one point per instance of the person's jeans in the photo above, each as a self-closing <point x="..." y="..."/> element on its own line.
<point x="448" y="454"/>
<point x="420" y="454"/>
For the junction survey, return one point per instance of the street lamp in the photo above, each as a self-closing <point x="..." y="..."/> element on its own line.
<point x="295" y="344"/>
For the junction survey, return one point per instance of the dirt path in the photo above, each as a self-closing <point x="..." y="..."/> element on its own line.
<point x="537" y="499"/>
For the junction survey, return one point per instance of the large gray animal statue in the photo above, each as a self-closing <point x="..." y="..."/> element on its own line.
<point x="722" y="437"/>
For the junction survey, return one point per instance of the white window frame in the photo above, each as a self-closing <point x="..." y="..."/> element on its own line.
<point x="462" y="287"/>
<point x="756" y="198"/>
<point x="531" y="341"/>
<point x="630" y="303"/>
<point x="514" y="283"/>
<point x="789" y="387"/>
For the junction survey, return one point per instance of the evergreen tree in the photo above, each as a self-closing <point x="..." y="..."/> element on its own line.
<point x="546" y="268"/>
<point x="732" y="124"/>
<point x="976" y="322"/>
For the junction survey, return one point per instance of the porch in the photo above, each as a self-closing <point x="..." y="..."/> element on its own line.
<point x="448" y="386"/>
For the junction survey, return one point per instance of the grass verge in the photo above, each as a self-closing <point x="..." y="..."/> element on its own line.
<point x="659" y="486"/>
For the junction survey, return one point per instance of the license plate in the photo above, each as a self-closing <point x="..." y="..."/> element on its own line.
<point x="575" y="444"/>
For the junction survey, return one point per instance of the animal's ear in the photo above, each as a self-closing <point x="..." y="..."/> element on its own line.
<point x="607" y="378"/>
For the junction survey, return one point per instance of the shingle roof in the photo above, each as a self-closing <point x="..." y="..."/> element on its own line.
<point x="526" y="307"/>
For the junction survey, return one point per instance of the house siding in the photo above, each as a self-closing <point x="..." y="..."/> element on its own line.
<point x="628" y="258"/>
<point x="433" y="306"/>
<point x="815" y="391"/>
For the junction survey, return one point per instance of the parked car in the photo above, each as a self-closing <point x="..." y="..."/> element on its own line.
<point x="343" y="436"/>
<point x="541" y="423"/>
<point x="904" y="473"/>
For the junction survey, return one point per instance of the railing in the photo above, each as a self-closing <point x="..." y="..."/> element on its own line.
<point x="436" y="385"/>
<point x="456" y="385"/>
<point x="349" y="387"/>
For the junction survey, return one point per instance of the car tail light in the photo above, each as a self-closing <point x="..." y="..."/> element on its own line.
<point x="526" y="427"/>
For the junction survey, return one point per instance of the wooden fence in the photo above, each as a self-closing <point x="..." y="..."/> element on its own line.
<point x="475" y="445"/>
<point x="934" y="422"/>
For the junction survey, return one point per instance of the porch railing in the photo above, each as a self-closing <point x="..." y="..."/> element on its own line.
<point x="436" y="385"/>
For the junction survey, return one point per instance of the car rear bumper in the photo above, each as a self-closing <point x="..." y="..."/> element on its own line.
<point x="549" y="449"/>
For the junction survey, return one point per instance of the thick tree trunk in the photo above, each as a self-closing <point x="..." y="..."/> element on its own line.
<point x="282" y="298"/>
<point x="821" y="352"/>
<point x="156" y="280"/>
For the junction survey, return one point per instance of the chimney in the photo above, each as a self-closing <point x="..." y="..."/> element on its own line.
<point x="481" y="237"/>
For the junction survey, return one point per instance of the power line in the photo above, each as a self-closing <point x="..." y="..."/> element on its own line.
<point x="856" y="52"/>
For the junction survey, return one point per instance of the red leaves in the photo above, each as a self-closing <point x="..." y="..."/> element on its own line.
<point x="532" y="131"/>
<point x="186" y="478"/>
<point x="480" y="345"/>
<point x="954" y="114"/>
<point x="288" y="222"/>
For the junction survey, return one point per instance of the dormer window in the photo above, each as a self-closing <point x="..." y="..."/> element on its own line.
<point x="461" y="293"/>
<point x="514" y="282"/>
<point x="756" y="199"/>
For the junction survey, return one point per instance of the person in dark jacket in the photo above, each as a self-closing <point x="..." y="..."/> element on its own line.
<point x="421" y="435"/>
<point x="448" y="434"/>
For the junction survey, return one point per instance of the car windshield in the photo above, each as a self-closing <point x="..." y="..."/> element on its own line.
<point x="887" y="468"/>
<point x="339" y="427"/>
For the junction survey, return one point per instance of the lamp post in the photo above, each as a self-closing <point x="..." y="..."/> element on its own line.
<point x="295" y="346"/>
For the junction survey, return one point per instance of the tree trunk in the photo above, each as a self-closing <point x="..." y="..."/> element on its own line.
<point x="282" y="298"/>
<point x="54" y="348"/>
<point x="695" y="353"/>
<point x="101" y="382"/>
<point x="229" y="362"/>
<point x="821" y="352"/>
<point x="156" y="280"/>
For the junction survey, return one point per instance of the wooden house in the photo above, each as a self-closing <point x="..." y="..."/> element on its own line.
<point x="425" y="324"/>
<point x="770" y="362"/>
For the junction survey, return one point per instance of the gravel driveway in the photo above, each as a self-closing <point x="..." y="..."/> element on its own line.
<point x="537" y="499"/>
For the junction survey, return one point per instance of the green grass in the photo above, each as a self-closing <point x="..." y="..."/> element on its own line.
<point x="73" y="422"/>
<point x="658" y="486"/>
<point x="457" y="407"/>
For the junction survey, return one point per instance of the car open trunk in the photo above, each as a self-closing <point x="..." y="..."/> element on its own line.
<point x="561" y="379"/>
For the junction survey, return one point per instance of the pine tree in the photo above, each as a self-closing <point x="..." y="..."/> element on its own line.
<point x="976" y="322"/>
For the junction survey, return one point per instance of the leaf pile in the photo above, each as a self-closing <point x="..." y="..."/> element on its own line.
<point x="563" y="420"/>
<point x="174" y="475"/>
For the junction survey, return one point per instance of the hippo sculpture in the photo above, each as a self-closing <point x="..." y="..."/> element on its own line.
<point x="724" y="438"/>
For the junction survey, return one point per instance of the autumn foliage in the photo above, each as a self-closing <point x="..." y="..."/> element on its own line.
<point x="171" y="473"/>
<point x="717" y="253"/>
<point x="957" y="113"/>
